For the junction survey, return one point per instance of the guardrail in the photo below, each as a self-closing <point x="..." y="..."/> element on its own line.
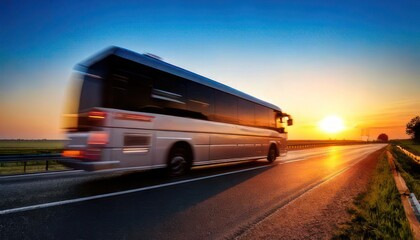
<point x="300" y="146"/>
<point x="25" y="158"/>
<point x="409" y="200"/>
<point x="411" y="155"/>
<point x="313" y="144"/>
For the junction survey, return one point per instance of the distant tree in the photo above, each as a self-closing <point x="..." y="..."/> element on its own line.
<point x="413" y="129"/>
<point x="383" y="137"/>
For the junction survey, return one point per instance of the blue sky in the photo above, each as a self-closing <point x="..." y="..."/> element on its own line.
<point x="265" y="48"/>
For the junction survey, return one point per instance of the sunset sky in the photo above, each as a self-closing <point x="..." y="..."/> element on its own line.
<point x="358" y="60"/>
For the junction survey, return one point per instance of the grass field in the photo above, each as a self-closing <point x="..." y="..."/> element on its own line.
<point x="11" y="147"/>
<point x="378" y="213"/>
<point x="30" y="146"/>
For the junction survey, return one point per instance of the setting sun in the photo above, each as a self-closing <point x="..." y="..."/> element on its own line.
<point x="332" y="124"/>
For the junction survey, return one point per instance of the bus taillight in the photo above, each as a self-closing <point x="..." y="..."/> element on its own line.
<point x="84" y="155"/>
<point x="72" y="153"/>
<point x="98" y="138"/>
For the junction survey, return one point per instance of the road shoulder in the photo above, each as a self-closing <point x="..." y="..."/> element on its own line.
<point x="317" y="213"/>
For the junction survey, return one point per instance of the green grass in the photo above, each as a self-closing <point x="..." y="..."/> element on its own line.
<point x="409" y="145"/>
<point x="30" y="146"/>
<point x="378" y="213"/>
<point x="10" y="147"/>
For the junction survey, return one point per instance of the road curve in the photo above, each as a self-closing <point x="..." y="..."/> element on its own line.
<point x="216" y="202"/>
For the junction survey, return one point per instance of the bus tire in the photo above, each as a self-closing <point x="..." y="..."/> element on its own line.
<point x="178" y="162"/>
<point x="272" y="154"/>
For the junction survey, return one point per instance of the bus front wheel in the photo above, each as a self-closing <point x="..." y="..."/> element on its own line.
<point x="178" y="163"/>
<point x="272" y="154"/>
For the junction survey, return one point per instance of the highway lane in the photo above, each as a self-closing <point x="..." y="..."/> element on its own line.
<point x="211" y="202"/>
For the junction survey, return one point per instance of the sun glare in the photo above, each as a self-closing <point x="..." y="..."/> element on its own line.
<point x="332" y="124"/>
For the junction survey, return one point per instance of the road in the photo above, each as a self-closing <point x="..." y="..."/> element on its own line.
<point x="226" y="201"/>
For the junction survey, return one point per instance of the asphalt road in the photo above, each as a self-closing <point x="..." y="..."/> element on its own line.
<point x="225" y="201"/>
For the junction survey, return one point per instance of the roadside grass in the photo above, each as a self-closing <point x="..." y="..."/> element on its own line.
<point x="8" y="147"/>
<point x="21" y="147"/>
<point x="378" y="213"/>
<point x="409" y="145"/>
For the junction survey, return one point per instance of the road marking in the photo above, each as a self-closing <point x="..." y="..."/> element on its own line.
<point x="76" y="200"/>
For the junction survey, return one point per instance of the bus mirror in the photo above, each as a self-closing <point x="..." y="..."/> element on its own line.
<point x="289" y="122"/>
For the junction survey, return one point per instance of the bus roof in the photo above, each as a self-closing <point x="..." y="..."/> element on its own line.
<point x="166" y="67"/>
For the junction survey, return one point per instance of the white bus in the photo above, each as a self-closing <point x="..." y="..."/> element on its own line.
<point x="135" y="111"/>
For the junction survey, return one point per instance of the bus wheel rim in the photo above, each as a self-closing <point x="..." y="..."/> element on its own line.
<point x="178" y="164"/>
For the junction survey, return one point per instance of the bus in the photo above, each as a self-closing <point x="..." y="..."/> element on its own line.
<point x="136" y="112"/>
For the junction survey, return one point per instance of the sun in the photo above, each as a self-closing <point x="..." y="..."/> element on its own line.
<point x="332" y="124"/>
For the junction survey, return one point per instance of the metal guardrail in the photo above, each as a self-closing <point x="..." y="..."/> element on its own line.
<point x="411" y="155"/>
<point x="300" y="146"/>
<point x="29" y="157"/>
<point x="25" y="158"/>
<point x="322" y="144"/>
<point x="409" y="200"/>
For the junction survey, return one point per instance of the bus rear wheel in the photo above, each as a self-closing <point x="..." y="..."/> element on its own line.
<point x="272" y="154"/>
<point x="178" y="163"/>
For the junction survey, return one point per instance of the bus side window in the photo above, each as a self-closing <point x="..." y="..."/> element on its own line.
<point x="119" y="84"/>
<point x="262" y="115"/>
<point x="169" y="91"/>
<point x="272" y="120"/>
<point x="226" y="107"/>
<point x="246" y="112"/>
<point x="200" y="100"/>
<point x="138" y="92"/>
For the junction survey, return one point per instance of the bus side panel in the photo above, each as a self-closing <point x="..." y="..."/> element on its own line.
<point x="132" y="147"/>
<point x="223" y="146"/>
<point x="255" y="142"/>
<point x="247" y="146"/>
<point x="165" y="140"/>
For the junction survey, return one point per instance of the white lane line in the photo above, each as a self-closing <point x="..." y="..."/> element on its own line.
<point x="70" y="201"/>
